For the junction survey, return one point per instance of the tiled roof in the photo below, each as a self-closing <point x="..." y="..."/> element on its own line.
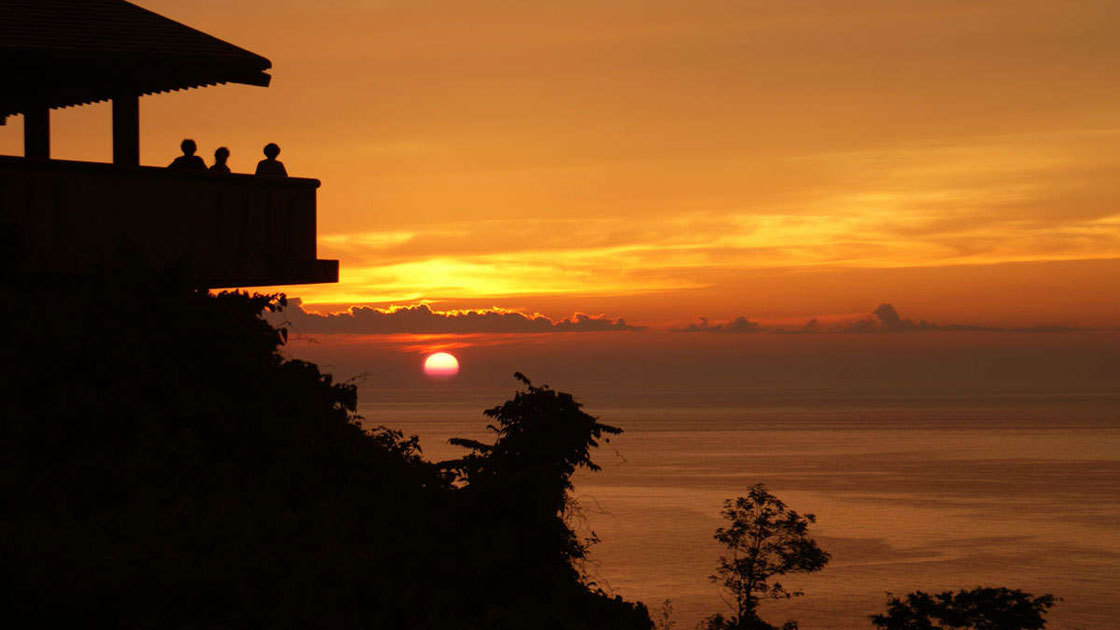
<point x="69" y="52"/>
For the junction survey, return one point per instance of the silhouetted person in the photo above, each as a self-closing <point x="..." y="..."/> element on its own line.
<point x="270" y="166"/>
<point x="188" y="160"/>
<point x="221" y="156"/>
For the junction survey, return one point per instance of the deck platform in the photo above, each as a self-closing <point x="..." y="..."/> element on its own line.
<point x="230" y="230"/>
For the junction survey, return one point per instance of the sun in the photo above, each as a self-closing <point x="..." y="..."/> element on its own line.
<point x="441" y="365"/>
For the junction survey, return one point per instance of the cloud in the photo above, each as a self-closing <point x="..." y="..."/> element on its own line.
<point x="737" y="325"/>
<point x="810" y="327"/>
<point x="421" y="319"/>
<point x="884" y="319"/>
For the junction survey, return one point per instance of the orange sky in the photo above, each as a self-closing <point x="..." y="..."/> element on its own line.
<point x="662" y="161"/>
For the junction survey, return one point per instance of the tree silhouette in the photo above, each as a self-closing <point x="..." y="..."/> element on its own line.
<point x="982" y="608"/>
<point x="765" y="539"/>
<point x="524" y="477"/>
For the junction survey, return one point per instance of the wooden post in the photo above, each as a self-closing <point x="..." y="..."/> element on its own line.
<point x="126" y="130"/>
<point x="37" y="133"/>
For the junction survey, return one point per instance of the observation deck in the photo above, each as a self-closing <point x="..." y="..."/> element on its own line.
<point x="231" y="230"/>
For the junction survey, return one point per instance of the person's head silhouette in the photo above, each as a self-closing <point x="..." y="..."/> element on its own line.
<point x="270" y="166"/>
<point x="188" y="146"/>
<point x="221" y="155"/>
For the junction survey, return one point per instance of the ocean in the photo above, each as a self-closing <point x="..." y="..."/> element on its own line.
<point x="911" y="492"/>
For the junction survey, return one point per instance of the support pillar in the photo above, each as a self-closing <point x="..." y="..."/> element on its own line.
<point x="37" y="133"/>
<point x="126" y="130"/>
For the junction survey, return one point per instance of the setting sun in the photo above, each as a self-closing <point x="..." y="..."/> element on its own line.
<point x="441" y="364"/>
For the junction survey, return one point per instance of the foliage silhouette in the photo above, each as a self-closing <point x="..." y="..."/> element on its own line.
<point x="542" y="437"/>
<point x="982" y="608"/>
<point x="163" y="465"/>
<point x="765" y="539"/>
<point x="665" y="619"/>
<point x="719" y="622"/>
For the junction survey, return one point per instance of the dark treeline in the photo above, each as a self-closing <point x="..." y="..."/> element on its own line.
<point x="164" y="466"/>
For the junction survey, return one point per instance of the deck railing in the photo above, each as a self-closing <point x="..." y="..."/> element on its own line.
<point x="231" y="230"/>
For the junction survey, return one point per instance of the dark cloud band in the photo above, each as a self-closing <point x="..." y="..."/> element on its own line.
<point x="884" y="319"/>
<point x="421" y="319"/>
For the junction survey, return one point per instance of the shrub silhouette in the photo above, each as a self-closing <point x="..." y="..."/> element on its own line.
<point x="982" y="608"/>
<point x="164" y="466"/>
<point x="542" y="437"/>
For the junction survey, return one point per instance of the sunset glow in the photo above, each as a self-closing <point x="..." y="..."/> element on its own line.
<point x="739" y="159"/>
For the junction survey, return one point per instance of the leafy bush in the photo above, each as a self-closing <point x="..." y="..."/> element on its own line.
<point x="982" y="608"/>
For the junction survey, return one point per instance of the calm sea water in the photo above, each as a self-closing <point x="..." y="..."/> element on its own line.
<point x="930" y="492"/>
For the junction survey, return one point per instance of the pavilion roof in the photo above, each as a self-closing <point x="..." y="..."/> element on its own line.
<point x="60" y="53"/>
